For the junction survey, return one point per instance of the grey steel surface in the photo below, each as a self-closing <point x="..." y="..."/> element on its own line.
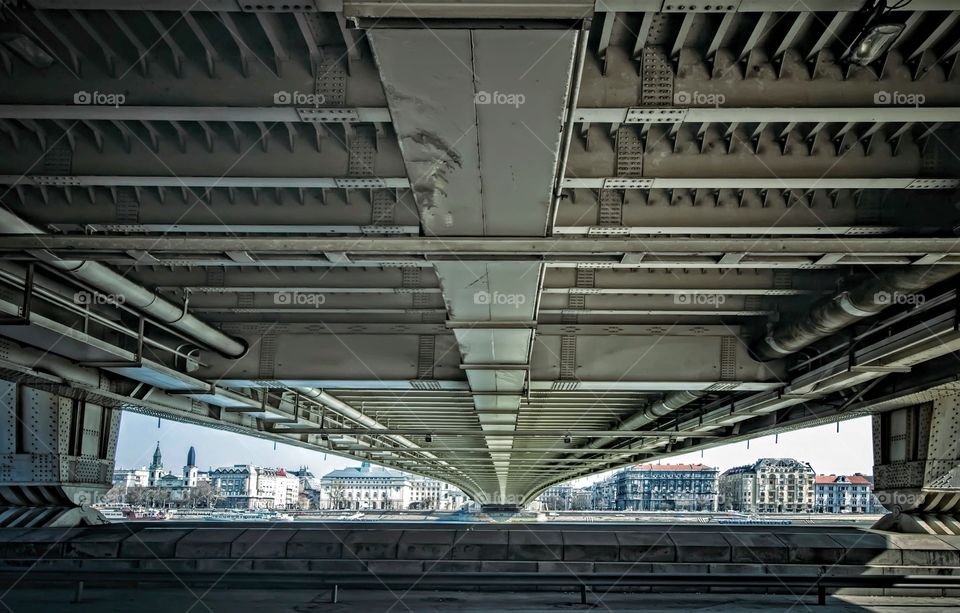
<point x="486" y="224"/>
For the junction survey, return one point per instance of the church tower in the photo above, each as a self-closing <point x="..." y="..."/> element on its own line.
<point x="156" y="467"/>
<point x="190" y="472"/>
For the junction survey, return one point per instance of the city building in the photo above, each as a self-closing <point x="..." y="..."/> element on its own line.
<point x="666" y="487"/>
<point x="556" y="497"/>
<point x="156" y="467"/>
<point x="310" y="489"/>
<point x="191" y="475"/>
<point x="426" y="493"/>
<point x="657" y="487"/>
<point x="735" y="487"/>
<point x="244" y="486"/>
<point x="604" y="494"/>
<point x="132" y="477"/>
<point x="154" y="475"/>
<point x="368" y="487"/>
<point x="364" y="487"/>
<point x="769" y="485"/>
<point x="565" y="497"/>
<point x="846" y="494"/>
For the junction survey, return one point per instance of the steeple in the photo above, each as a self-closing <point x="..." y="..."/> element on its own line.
<point x="157" y="458"/>
<point x="192" y="457"/>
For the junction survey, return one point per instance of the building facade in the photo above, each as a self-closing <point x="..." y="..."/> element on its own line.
<point x="657" y="487"/>
<point x="244" y="486"/>
<point x="735" y="487"/>
<point x="161" y="488"/>
<point x="604" y="494"/>
<point x="846" y="494"/>
<point x="667" y="487"/>
<point x="556" y="498"/>
<point x="375" y="488"/>
<point x="566" y="497"/>
<point x="366" y="487"/>
<point x="769" y="485"/>
<point x="131" y="477"/>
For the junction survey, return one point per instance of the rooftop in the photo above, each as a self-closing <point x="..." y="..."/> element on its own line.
<point x="841" y="479"/>
<point x="673" y="467"/>
<point x="365" y="470"/>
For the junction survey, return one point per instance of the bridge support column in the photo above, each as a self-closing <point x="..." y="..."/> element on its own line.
<point x="56" y="457"/>
<point x="917" y="467"/>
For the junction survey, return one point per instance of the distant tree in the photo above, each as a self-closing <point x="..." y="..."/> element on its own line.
<point x="136" y="496"/>
<point x="115" y="495"/>
<point x="205" y="495"/>
<point x="162" y="497"/>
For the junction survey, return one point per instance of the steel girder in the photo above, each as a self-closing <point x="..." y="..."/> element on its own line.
<point x="668" y="190"/>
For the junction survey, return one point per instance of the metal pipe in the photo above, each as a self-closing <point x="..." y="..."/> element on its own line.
<point x="344" y="409"/>
<point x="666" y="405"/>
<point x="75" y="374"/>
<point x="134" y="295"/>
<point x="839" y="311"/>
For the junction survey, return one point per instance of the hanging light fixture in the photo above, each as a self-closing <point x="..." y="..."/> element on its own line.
<point x="874" y="42"/>
<point x="877" y="34"/>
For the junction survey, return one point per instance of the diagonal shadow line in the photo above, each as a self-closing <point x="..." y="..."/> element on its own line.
<point x="638" y="561"/>
<point x="160" y="37"/>
<point x="366" y="566"/>
<point x="33" y="566"/>
<point x="163" y="563"/>
<point x="428" y="569"/>
<point x="829" y="568"/>
<point x="572" y="572"/>
<point x="799" y="597"/>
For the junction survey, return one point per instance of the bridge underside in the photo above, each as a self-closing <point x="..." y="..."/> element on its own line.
<point x="504" y="245"/>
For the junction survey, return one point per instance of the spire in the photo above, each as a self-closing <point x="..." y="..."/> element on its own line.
<point x="157" y="457"/>
<point x="192" y="457"/>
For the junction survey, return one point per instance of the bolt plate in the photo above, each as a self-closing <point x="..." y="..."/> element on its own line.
<point x="626" y="183"/>
<point x="644" y="115"/>
<point x="359" y="183"/>
<point x="934" y="184"/>
<point x="55" y="181"/>
<point x="328" y="115"/>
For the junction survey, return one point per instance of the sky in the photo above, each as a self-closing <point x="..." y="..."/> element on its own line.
<point x="846" y="452"/>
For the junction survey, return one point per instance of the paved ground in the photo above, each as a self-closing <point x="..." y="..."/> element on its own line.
<point x="311" y="601"/>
